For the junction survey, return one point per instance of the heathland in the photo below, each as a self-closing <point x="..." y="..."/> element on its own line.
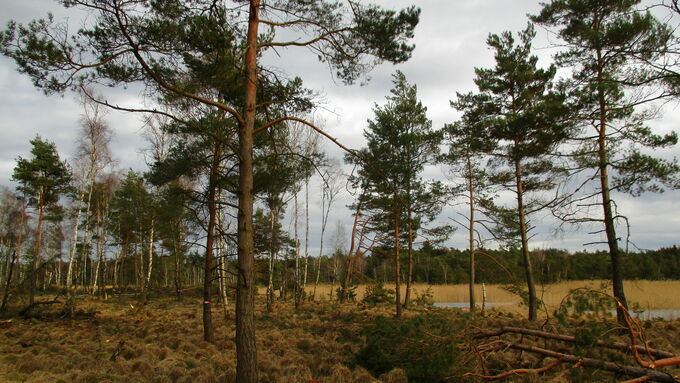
<point x="121" y="338"/>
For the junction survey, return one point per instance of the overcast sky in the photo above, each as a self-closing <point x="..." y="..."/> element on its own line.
<point x="450" y="42"/>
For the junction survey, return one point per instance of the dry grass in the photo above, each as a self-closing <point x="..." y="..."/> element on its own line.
<point x="647" y="294"/>
<point x="162" y="342"/>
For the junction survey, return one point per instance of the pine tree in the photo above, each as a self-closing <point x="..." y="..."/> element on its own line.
<point x="400" y="142"/>
<point x="43" y="178"/>
<point x="524" y="121"/>
<point x="468" y="148"/>
<point x="605" y="40"/>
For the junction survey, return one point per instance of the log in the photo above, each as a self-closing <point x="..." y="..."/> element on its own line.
<point x="33" y="305"/>
<point x="567" y="338"/>
<point x="633" y="371"/>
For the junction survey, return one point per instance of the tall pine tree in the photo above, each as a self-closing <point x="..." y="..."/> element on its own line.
<point x="400" y="142"/>
<point x="605" y="40"/>
<point x="43" y="178"/>
<point x="524" y="121"/>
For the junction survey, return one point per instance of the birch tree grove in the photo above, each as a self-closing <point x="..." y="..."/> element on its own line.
<point x="92" y="156"/>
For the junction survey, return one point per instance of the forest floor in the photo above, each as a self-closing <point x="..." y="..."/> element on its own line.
<point x="120" y="340"/>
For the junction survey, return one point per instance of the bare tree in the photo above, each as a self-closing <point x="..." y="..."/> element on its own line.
<point x="331" y="187"/>
<point x="92" y="156"/>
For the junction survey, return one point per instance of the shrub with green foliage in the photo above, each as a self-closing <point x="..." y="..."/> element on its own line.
<point x="424" y="299"/>
<point x="424" y="346"/>
<point x="376" y="293"/>
<point x="522" y="293"/>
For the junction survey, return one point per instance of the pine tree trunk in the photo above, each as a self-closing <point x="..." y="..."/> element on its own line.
<point x="471" y="233"/>
<point x="528" y="269"/>
<point x="246" y="352"/>
<point x="609" y="224"/>
<point x="397" y="264"/>
<point x="208" y="335"/>
<point x="36" y="255"/>
<point x="272" y="258"/>
<point x="409" y="274"/>
<point x="178" y="264"/>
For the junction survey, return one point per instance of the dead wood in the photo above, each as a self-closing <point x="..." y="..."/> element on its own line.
<point x="571" y="339"/>
<point x="26" y="310"/>
<point x="649" y="374"/>
<point x="517" y="371"/>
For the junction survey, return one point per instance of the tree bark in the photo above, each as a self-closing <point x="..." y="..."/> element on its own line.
<point x="15" y="257"/>
<point x="178" y="271"/>
<point x="209" y="245"/>
<point x="36" y="255"/>
<point x="147" y="282"/>
<point x="471" y="234"/>
<point x="246" y="353"/>
<point x="304" y="279"/>
<point x="528" y="269"/>
<point x="610" y="229"/>
<point x="409" y="274"/>
<point x="353" y="249"/>
<point x="273" y="218"/>
<point x="222" y="263"/>
<point x="397" y="263"/>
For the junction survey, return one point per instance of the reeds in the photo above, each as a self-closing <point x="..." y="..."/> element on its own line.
<point x="646" y="294"/>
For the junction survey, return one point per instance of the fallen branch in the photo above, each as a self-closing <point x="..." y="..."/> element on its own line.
<point x="33" y="305"/>
<point x="572" y="339"/>
<point x="637" y="372"/>
<point x="517" y="371"/>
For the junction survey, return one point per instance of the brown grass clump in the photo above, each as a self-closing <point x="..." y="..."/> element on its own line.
<point x="395" y="376"/>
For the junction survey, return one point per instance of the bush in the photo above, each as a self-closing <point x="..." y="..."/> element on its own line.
<point x="377" y="294"/>
<point x="424" y="299"/>
<point x="424" y="346"/>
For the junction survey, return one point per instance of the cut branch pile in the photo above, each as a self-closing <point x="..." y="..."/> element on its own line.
<point x="643" y="372"/>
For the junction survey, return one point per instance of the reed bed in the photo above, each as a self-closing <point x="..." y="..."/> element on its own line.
<point x="649" y="295"/>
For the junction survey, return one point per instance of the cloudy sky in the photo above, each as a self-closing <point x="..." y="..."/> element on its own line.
<point x="450" y="42"/>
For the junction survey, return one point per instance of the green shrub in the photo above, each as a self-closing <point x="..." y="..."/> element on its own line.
<point x="351" y="293"/>
<point x="377" y="293"/>
<point x="424" y="346"/>
<point x="424" y="299"/>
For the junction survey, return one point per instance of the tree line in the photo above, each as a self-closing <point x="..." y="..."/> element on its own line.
<point x="230" y="135"/>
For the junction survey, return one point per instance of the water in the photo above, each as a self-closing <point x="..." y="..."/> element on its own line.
<point x="464" y="305"/>
<point x="663" y="314"/>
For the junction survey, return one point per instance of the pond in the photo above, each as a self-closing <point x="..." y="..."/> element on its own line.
<point x="664" y="314"/>
<point x="464" y="305"/>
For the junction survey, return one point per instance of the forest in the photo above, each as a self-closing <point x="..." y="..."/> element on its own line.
<point x="201" y="267"/>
